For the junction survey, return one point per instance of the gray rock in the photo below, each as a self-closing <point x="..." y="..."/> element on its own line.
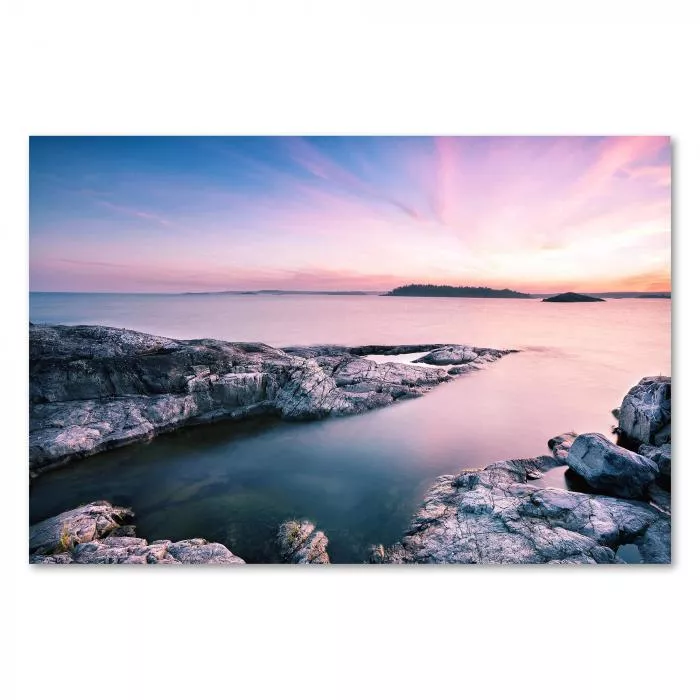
<point x="88" y="535"/>
<point x="83" y="524"/>
<point x="660" y="497"/>
<point x="660" y="455"/>
<point x="300" y="543"/>
<point x="94" y="388"/>
<point x="560" y="445"/>
<point x="645" y="413"/>
<point x="308" y="351"/>
<point x="493" y="516"/>
<point x="461" y="355"/>
<point x="609" y="468"/>
<point x="133" y="550"/>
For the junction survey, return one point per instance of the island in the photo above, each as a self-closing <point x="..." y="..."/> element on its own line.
<point x="445" y="290"/>
<point x="281" y="292"/>
<point x="572" y="297"/>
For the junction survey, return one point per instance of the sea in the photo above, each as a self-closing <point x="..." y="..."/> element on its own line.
<point x="358" y="478"/>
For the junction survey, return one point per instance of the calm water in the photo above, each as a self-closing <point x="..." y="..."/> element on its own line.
<point x="359" y="478"/>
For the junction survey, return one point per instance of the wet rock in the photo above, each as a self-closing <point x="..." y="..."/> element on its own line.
<point x="94" y="388"/>
<point x="494" y="516"/>
<point x="560" y="445"/>
<point x="300" y="543"/>
<point x="645" y="413"/>
<point x="92" y="534"/>
<point x="611" y="469"/>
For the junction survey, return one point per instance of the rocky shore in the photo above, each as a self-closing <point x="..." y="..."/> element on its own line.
<point x="96" y="534"/>
<point x="497" y="515"/>
<point x="94" y="388"/>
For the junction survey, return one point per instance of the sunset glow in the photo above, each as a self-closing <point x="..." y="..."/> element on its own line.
<point x="536" y="214"/>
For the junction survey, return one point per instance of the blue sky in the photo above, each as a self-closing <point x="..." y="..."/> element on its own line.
<point x="211" y="213"/>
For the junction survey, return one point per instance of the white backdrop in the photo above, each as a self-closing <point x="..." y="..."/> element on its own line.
<point x="401" y="67"/>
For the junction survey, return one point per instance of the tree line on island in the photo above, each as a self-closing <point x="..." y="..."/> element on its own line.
<point x="446" y="290"/>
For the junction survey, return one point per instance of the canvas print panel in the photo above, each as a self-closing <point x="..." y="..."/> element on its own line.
<point x="381" y="350"/>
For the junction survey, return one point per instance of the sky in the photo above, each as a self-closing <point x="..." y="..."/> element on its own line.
<point x="177" y="214"/>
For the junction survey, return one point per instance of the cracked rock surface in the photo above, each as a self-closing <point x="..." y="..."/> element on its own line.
<point x="495" y="516"/>
<point x="609" y="468"/>
<point x="461" y="355"/>
<point x="93" y="388"/>
<point x="300" y="543"/>
<point x="645" y="413"/>
<point x="93" y="534"/>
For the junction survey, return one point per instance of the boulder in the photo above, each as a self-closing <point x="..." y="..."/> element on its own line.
<point x="609" y="468"/>
<point x="300" y="543"/>
<point x="645" y="413"/>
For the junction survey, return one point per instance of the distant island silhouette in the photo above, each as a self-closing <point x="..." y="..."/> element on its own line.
<point x="274" y="292"/>
<point x="445" y="290"/>
<point x="569" y="297"/>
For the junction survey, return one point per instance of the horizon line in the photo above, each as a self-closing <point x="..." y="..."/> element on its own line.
<point x="327" y="291"/>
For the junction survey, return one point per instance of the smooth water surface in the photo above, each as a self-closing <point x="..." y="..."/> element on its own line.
<point x="358" y="478"/>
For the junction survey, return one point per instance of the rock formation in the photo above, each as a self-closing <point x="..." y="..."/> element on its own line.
<point x="301" y="543"/>
<point x="93" y="388"/>
<point x="461" y="355"/>
<point x="94" y="534"/>
<point x="611" y="469"/>
<point x="496" y="515"/>
<point x="645" y="413"/>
